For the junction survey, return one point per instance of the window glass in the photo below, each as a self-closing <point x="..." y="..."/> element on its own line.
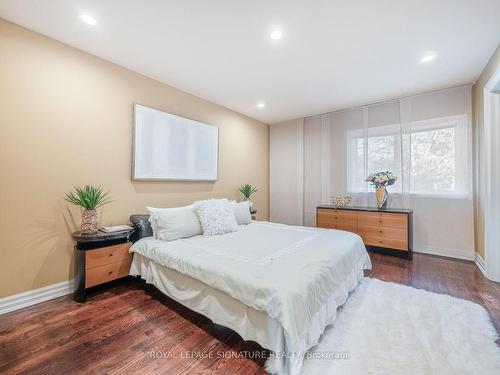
<point x="433" y="167"/>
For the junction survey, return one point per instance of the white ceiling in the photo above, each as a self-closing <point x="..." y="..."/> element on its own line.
<point x="334" y="54"/>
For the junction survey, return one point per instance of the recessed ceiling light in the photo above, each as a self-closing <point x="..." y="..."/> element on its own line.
<point x="428" y="57"/>
<point x="89" y="20"/>
<point x="276" y="34"/>
<point x="261" y="105"/>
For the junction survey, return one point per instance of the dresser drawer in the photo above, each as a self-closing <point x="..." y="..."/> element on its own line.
<point x="348" y="227"/>
<point x="383" y="232"/>
<point x="399" y="244"/>
<point x="107" y="255"/>
<point x="332" y="216"/>
<point x="383" y="219"/>
<point x="107" y="272"/>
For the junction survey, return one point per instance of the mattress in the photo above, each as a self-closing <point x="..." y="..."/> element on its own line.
<point x="275" y="284"/>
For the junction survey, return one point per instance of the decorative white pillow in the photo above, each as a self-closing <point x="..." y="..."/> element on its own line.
<point x="173" y="223"/>
<point x="242" y="212"/>
<point x="216" y="217"/>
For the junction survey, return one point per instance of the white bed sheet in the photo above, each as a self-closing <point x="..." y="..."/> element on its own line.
<point x="280" y="265"/>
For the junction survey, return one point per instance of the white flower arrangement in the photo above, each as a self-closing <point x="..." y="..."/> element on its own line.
<point x="381" y="179"/>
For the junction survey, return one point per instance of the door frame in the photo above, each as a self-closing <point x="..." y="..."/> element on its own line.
<point x="492" y="178"/>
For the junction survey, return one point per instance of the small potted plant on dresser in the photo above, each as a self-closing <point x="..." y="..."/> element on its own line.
<point x="247" y="191"/>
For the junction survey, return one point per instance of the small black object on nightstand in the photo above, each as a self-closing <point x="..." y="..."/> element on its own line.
<point x="100" y="258"/>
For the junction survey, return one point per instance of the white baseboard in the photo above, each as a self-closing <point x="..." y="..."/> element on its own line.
<point x="32" y="297"/>
<point x="480" y="264"/>
<point x="445" y="252"/>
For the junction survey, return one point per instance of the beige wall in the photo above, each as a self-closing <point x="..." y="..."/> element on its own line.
<point x="66" y="119"/>
<point x="478" y="128"/>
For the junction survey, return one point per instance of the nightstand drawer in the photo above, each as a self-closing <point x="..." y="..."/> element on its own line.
<point x="108" y="272"/>
<point x="381" y="219"/>
<point x="107" y="255"/>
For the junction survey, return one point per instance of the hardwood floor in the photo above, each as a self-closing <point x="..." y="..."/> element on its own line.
<point x="132" y="328"/>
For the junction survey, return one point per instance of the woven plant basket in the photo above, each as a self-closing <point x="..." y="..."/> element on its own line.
<point x="89" y="223"/>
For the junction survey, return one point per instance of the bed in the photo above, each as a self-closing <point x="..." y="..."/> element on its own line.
<point x="275" y="284"/>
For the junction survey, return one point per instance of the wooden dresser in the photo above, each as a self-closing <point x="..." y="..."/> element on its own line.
<point x="388" y="231"/>
<point x="100" y="258"/>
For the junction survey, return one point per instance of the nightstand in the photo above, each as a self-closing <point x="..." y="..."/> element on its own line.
<point x="100" y="258"/>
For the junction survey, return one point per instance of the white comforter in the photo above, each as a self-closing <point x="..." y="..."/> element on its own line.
<point x="287" y="271"/>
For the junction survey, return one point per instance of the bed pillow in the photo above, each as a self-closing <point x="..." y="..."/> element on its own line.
<point x="242" y="212"/>
<point x="170" y="224"/>
<point x="152" y="217"/>
<point x="216" y="216"/>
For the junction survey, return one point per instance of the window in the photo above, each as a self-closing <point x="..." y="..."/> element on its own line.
<point x="433" y="161"/>
<point x="430" y="157"/>
<point x="383" y="145"/>
<point x="439" y="157"/>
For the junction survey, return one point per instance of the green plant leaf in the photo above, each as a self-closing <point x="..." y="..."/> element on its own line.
<point x="247" y="190"/>
<point x="89" y="197"/>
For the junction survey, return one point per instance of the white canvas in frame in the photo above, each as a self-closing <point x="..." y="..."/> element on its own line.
<point x="170" y="147"/>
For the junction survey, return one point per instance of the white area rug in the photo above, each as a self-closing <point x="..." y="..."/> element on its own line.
<point x="386" y="328"/>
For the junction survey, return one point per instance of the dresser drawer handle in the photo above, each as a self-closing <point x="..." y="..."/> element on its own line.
<point x="335" y="217"/>
<point x="110" y="272"/>
<point x="380" y="221"/>
<point x="381" y="231"/>
<point x="110" y="254"/>
<point x="380" y="241"/>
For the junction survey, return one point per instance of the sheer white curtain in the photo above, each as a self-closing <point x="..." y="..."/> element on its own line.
<point x="286" y="169"/>
<point x="424" y="139"/>
<point x="341" y="148"/>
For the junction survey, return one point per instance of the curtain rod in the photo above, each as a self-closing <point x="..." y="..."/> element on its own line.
<point x="388" y="100"/>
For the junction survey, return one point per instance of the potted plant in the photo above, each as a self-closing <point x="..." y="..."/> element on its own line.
<point x="89" y="199"/>
<point x="380" y="181"/>
<point x="247" y="190"/>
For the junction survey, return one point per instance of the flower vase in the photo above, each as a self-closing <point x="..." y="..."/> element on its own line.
<point x="382" y="196"/>
<point x="89" y="223"/>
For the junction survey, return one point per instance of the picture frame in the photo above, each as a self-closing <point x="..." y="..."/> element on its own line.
<point x="168" y="147"/>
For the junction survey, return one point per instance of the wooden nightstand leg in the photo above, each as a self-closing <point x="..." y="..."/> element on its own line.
<point x="80" y="295"/>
